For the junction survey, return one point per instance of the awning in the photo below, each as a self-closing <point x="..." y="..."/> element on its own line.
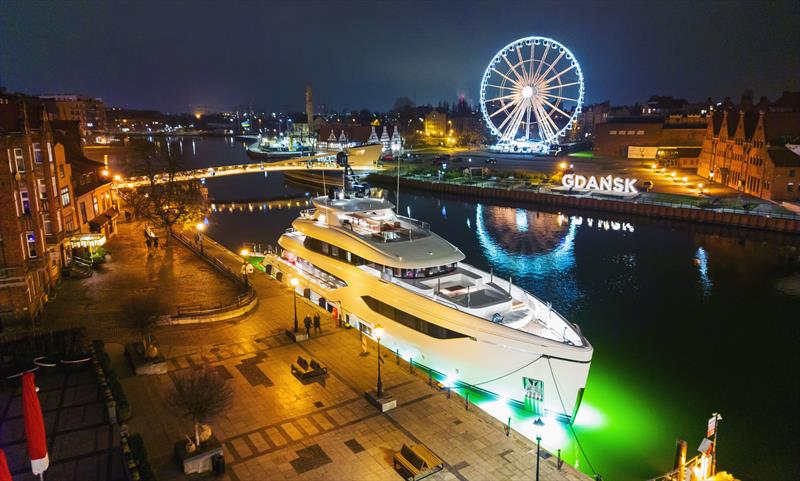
<point x="104" y="218"/>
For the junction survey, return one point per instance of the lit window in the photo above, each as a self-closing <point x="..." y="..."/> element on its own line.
<point x="640" y="132"/>
<point x="31" y="242"/>
<point x="95" y="207"/>
<point x="612" y="132"/>
<point x="65" y="196"/>
<point x="631" y="132"/>
<point x="25" y="200"/>
<point x="47" y="223"/>
<point x="790" y="187"/>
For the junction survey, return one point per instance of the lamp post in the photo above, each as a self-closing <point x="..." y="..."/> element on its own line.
<point x="538" y="423"/>
<point x="378" y="331"/>
<point x="200" y="228"/>
<point x="294" y="283"/>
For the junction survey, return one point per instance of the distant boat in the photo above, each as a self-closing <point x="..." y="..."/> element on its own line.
<point x="276" y="150"/>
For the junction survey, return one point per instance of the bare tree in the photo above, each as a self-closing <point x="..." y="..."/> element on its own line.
<point x="165" y="200"/>
<point x="200" y="394"/>
<point x="141" y="312"/>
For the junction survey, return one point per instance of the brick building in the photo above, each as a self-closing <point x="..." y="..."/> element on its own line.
<point x="749" y="147"/>
<point x="89" y="112"/>
<point x="32" y="232"/>
<point x="436" y="124"/>
<point x="643" y="137"/>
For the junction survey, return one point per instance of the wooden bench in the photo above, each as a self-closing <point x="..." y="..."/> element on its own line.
<point x="418" y="461"/>
<point x="304" y="370"/>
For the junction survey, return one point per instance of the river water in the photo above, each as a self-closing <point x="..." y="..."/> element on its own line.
<point x="685" y="319"/>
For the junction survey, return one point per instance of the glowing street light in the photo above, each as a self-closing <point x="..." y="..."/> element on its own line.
<point x="563" y="165"/>
<point x="294" y="282"/>
<point x="378" y="333"/>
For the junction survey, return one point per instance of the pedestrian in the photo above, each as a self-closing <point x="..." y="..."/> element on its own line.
<point x="307" y="323"/>
<point x="155" y="242"/>
<point x="316" y="323"/>
<point x="148" y="242"/>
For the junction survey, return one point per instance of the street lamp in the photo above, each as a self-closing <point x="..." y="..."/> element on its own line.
<point x="539" y="424"/>
<point x="200" y="228"/>
<point x="294" y="283"/>
<point x="378" y="332"/>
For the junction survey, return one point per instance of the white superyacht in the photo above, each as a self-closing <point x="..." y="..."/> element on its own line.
<point x="354" y="254"/>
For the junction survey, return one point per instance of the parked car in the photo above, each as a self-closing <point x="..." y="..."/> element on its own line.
<point x="648" y="185"/>
<point x="458" y="159"/>
<point x="491" y="160"/>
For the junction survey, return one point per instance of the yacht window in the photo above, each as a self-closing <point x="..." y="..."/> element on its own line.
<point x="325" y="247"/>
<point x="334" y="251"/>
<point x="411" y="321"/>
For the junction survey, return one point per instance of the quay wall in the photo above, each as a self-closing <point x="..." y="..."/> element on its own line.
<point x="705" y="216"/>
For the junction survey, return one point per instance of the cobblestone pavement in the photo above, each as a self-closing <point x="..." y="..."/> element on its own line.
<point x="173" y="274"/>
<point x="81" y="443"/>
<point x="280" y="428"/>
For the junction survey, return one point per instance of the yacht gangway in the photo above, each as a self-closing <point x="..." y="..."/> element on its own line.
<point x="360" y="159"/>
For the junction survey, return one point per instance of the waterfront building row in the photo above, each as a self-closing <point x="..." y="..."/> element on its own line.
<point x="54" y="203"/>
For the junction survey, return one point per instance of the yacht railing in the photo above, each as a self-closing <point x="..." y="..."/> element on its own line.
<point x="421" y="224"/>
<point x="308" y="213"/>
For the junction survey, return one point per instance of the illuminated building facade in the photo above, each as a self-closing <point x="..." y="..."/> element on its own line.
<point x="435" y="124"/>
<point x="89" y="112"/>
<point x="752" y="148"/>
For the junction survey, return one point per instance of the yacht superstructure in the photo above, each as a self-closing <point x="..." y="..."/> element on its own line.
<point x="356" y="255"/>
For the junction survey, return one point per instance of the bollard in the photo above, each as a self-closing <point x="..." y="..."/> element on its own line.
<point x="397" y="353"/>
<point x="411" y="365"/>
<point x="466" y="401"/>
<point x="559" y="461"/>
<point x="430" y="378"/>
<point x="508" y="426"/>
<point x="448" y="391"/>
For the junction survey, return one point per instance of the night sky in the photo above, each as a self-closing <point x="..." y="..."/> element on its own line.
<point x="181" y="56"/>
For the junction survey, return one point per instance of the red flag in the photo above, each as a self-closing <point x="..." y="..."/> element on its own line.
<point x="5" y="475"/>
<point x="34" y="425"/>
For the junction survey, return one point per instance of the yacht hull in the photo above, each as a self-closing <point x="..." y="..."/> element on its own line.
<point x="544" y="375"/>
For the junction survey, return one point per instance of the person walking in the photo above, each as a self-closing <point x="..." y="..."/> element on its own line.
<point x="316" y="323"/>
<point x="155" y="242"/>
<point x="148" y="242"/>
<point x="307" y="324"/>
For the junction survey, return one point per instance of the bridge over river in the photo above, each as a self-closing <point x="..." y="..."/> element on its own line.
<point x="360" y="158"/>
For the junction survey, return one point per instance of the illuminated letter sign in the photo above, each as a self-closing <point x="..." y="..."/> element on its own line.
<point x="603" y="184"/>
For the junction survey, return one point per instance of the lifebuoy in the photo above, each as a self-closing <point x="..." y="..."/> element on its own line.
<point x="335" y="314"/>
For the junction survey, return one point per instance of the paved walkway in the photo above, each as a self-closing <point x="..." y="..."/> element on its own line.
<point x="173" y="274"/>
<point x="279" y="428"/>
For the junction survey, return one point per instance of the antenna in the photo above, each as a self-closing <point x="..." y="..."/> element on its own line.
<point x="397" y="202"/>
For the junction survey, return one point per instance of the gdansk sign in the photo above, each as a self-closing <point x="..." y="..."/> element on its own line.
<point x="608" y="183"/>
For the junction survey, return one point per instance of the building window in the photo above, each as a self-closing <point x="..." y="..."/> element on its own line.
<point x="65" y="196"/>
<point x="25" y="201"/>
<point x="68" y="223"/>
<point x="790" y="187"/>
<point x="30" y="240"/>
<point x="42" y="189"/>
<point x="47" y="223"/>
<point x="631" y="132"/>
<point x="61" y="171"/>
<point x="37" y="152"/>
<point x="612" y="132"/>
<point x="640" y="132"/>
<point x="95" y="207"/>
<point x="791" y="172"/>
<point x="19" y="160"/>
<point x="84" y="218"/>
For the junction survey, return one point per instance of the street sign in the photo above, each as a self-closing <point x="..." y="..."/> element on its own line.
<point x="712" y="426"/>
<point x="705" y="446"/>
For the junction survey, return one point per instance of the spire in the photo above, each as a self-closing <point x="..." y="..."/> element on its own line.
<point x="373" y="137"/>
<point x="385" y="135"/>
<point x="342" y="137"/>
<point x="332" y="137"/>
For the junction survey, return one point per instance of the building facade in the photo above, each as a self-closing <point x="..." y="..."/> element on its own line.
<point x="436" y="124"/>
<point x="32" y="232"/>
<point x="750" y="148"/>
<point x="89" y="112"/>
<point x="643" y="137"/>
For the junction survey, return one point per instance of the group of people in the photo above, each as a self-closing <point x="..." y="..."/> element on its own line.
<point x="307" y="323"/>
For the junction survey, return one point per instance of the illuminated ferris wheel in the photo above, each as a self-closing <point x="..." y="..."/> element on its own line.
<point x="531" y="94"/>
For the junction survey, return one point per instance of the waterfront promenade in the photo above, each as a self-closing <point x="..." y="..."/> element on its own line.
<point x="278" y="428"/>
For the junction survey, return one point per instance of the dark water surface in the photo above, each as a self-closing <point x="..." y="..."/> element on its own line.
<point x="685" y="320"/>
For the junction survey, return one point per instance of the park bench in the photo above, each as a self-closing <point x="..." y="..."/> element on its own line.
<point x="304" y="370"/>
<point x="418" y="461"/>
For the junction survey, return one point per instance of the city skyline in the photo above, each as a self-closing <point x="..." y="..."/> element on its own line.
<point x="153" y="57"/>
